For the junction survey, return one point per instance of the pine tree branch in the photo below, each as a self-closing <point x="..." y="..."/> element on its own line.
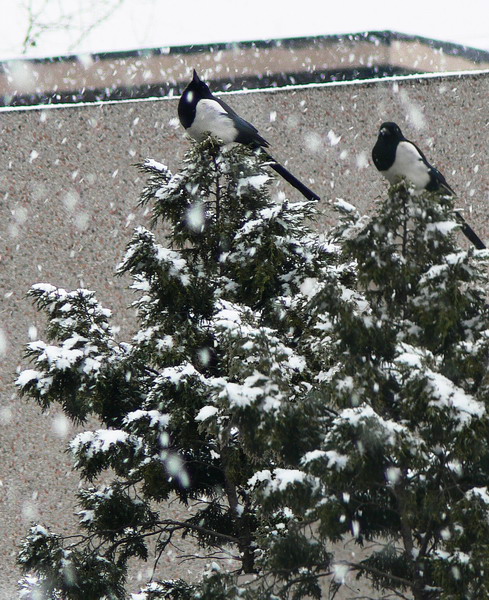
<point x="178" y="525"/>
<point x="378" y="572"/>
<point x="218" y="191"/>
<point x="404" y="224"/>
<point x="246" y="537"/>
<point x="168" y="526"/>
<point x="396" y="595"/>
<point x="408" y="541"/>
<point x="353" y="566"/>
<point x="188" y="557"/>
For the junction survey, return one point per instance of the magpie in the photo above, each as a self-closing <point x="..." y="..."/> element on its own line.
<point x="201" y="113"/>
<point x="397" y="158"/>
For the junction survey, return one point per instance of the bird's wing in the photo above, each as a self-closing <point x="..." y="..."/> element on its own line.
<point x="247" y="133"/>
<point x="437" y="180"/>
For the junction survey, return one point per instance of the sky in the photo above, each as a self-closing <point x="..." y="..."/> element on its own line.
<point x="59" y="27"/>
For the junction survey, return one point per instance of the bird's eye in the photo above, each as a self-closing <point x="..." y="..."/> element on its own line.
<point x="190" y="96"/>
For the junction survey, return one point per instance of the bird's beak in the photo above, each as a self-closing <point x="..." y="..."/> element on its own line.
<point x="195" y="77"/>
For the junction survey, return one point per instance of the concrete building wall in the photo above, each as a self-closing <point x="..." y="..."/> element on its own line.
<point x="68" y="194"/>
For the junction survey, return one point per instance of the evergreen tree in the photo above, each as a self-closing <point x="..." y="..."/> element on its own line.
<point x="401" y="413"/>
<point x="190" y="406"/>
<point x="294" y="394"/>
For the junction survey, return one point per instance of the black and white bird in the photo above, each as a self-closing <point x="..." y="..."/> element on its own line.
<point x="201" y="113"/>
<point x="397" y="158"/>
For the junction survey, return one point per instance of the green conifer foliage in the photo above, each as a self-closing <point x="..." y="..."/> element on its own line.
<point x="295" y="394"/>
<point x="401" y="411"/>
<point x="186" y="407"/>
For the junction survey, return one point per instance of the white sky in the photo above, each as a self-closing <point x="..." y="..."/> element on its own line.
<point x="155" y="23"/>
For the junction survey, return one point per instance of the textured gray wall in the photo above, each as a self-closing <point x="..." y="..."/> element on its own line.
<point x="68" y="194"/>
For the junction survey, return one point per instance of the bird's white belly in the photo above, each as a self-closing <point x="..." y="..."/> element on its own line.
<point x="410" y="165"/>
<point x="210" y="117"/>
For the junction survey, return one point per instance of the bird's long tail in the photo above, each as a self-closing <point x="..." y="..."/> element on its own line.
<point x="469" y="233"/>
<point x="294" y="182"/>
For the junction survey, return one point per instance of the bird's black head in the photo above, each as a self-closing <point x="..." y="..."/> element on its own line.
<point x="390" y="130"/>
<point x="196" y="90"/>
<point x="199" y="86"/>
<point x="384" y="151"/>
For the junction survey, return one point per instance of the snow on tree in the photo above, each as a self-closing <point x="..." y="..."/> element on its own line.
<point x="400" y="417"/>
<point x="190" y="406"/>
<point x="294" y="393"/>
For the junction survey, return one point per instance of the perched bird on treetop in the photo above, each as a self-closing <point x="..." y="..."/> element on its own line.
<point x="202" y="113"/>
<point x="397" y="158"/>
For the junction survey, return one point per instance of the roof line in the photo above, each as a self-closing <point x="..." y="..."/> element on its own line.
<point x="371" y="81"/>
<point x="385" y="37"/>
<point x="172" y="89"/>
